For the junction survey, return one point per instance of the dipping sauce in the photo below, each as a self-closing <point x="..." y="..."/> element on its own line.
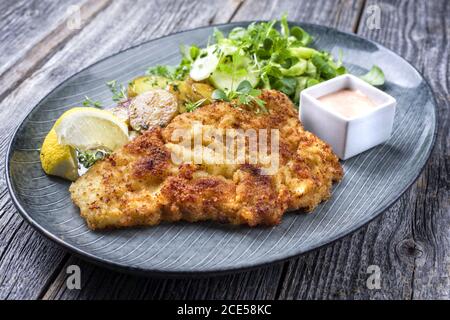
<point x="348" y="103"/>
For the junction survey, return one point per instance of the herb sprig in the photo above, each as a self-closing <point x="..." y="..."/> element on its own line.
<point x="88" y="102"/>
<point x="245" y="94"/>
<point x="191" y="106"/>
<point x="118" y="91"/>
<point x="179" y="72"/>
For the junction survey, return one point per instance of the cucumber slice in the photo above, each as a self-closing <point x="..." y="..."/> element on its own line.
<point x="228" y="77"/>
<point x="226" y="47"/>
<point x="229" y="82"/>
<point x="203" y="67"/>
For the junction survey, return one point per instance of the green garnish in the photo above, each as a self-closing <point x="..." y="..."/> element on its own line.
<point x="88" y="102"/>
<point x="219" y="94"/>
<point x="118" y="91"/>
<point x="162" y="71"/>
<point x="375" y="76"/>
<point x="244" y="93"/>
<point x="269" y="59"/>
<point x="191" y="106"/>
<point x="89" y="157"/>
<point x="180" y="72"/>
<point x="265" y="55"/>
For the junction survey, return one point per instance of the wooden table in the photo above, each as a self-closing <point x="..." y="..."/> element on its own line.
<point x="41" y="45"/>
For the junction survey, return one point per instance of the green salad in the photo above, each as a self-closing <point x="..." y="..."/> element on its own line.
<point x="265" y="55"/>
<point x="233" y="67"/>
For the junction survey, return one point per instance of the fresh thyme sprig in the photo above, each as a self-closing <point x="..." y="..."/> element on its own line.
<point x="88" y="102"/>
<point x="118" y="90"/>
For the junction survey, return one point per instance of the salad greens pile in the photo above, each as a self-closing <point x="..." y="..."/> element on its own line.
<point x="259" y="57"/>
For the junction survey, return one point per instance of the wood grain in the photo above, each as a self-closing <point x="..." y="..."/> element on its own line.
<point x="46" y="47"/>
<point x="259" y="284"/>
<point x="341" y="14"/>
<point x="23" y="24"/>
<point x="425" y="43"/>
<point x="410" y="242"/>
<point x="27" y="261"/>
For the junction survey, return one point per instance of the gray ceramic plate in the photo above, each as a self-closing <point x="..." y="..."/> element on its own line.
<point x="372" y="182"/>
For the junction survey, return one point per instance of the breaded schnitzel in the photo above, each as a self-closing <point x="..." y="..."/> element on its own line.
<point x="139" y="184"/>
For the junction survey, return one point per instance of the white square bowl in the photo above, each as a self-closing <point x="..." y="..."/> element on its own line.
<point x="347" y="136"/>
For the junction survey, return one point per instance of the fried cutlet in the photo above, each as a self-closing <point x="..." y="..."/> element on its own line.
<point x="140" y="184"/>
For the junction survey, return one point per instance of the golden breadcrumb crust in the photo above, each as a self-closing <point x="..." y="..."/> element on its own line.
<point x="140" y="185"/>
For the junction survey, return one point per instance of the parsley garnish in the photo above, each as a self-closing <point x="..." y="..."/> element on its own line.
<point x="245" y="94"/>
<point x="89" y="157"/>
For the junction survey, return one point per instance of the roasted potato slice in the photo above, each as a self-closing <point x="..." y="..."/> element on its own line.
<point x="121" y="111"/>
<point x="153" y="108"/>
<point x="190" y="91"/>
<point x="145" y="83"/>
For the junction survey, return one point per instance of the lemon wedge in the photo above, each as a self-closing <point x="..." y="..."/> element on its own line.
<point x="58" y="160"/>
<point x="90" y="128"/>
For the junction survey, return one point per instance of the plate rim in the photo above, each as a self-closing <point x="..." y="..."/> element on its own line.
<point x="159" y="273"/>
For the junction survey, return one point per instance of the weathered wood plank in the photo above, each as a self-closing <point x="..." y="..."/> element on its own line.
<point x="429" y="202"/>
<point x="98" y="283"/>
<point x="410" y="242"/>
<point x="24" y="23"/>
<point x="27" y="262"/>
<point x="339" y="14"/>
<point x="19" y="64"/>
<point x="258" y="284"/>
<point x="423" y="40"/>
